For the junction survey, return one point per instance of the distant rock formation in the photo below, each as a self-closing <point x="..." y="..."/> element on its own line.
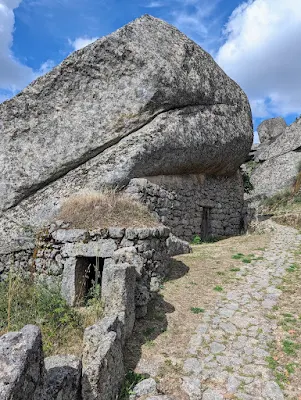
<point x="271" y="128"/>
<point x="277" y="159"/>
<point x="143" y="101"/>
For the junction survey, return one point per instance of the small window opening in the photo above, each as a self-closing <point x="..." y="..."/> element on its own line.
<point x="88" y="277"/>
<point x="205" y="227"/>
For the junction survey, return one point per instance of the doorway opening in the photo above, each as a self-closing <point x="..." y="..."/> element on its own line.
<point x="88" y="276"/>
<point x="205" y="227"/>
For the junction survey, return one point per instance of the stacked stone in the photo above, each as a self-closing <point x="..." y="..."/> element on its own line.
<point x="179" y="201"/>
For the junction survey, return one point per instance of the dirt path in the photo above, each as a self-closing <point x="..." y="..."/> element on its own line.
<point x="216" y="340"/>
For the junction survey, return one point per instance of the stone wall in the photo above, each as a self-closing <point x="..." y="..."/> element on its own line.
<point x="181" y="202"/>
<point x="133" y="263"/>
<point x="61" y="254"/>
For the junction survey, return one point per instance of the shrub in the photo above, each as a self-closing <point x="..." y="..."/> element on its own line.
<point x="248" y="186"/>
<point x="94" y="210"/>
<point x="196" y="240"/>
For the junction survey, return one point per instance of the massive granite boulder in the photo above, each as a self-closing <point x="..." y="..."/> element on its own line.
<point x="143" y="101"/>
<point x="278" y="162"/>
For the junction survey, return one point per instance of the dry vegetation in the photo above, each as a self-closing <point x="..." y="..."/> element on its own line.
<point x="93" y="210"/>
<point x="196" y="280"/>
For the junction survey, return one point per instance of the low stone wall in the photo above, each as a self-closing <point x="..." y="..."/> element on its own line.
<point x="61" y="257"/>
<point x="194" y="204"/>
<point x="130" y="264"/>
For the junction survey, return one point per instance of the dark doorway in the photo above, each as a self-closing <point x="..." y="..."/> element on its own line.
<point x="88" y="276"/>
<point x="205" y="227"/>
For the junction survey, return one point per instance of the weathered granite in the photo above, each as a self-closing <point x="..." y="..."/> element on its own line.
<point x="271" y="128"/>
<point x="21" y="364"/>
<point x="276" y="174"/>
<point x="147" y="386"/>
<point x="168" y="108"/>
<point x="288" y="141"/>
<point x="103" y="369"/>
<point x="276" y="163"/>
<point x="118" y="293"/>
<point x="63" y="378"/>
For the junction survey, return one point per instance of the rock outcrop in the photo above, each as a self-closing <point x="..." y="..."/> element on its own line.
<point x="277" y="159"/>
<point x="143" y="101"/>
<point x="271" y="128"/>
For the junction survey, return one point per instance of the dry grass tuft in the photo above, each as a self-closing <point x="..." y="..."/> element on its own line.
<point x="94" y="210"/>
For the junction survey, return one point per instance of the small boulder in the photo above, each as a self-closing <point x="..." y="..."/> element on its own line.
<point x="147" y="386"/>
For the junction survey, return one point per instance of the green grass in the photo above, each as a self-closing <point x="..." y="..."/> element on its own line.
<point x="197" y="310"/>
<point x="130" y="381"/>
<point x="235" y="269"/>
<point x="210" y="239"/>
<point x="281" y="379"/>
<point x="289" y="347"/>
<point x="292" y="268"/>
<point x="247" y="259"/>
<point x="22" y="302"/>
<point x="218" y="288"/>
<point x="272" y="363"/>
<point x="238" y="256"/>
<point x="291" y="367"/>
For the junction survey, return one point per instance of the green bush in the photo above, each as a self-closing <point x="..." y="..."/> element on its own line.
<point x="248" y="187"/>
<point x="196" y="240"/>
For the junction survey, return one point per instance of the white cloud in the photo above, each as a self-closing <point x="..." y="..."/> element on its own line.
<point x="155" y="4"/>
<point x="81" y="42"/>
<point x="46" y="67"/>
<point x="13" y="74"/>
<point x="198" y="20"/>
<point x="256" y="137"/>
<point x="262" y="53"/>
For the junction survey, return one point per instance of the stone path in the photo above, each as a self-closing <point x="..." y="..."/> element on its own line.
<point x="227" y="353"/>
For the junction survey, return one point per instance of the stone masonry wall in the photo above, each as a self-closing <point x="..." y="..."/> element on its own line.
<point x="58" y="250"/>
<point x="134" y="262"/>
<point x="179" y="201"/>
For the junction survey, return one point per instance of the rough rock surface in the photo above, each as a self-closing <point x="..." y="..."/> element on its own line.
<point x="271" y="128"/>
<point x="289" y="141"/>
<point x="147" y="386"/>
<point x="277" y="162"/>
<point x="276" y="174"/>
<point x="103" y="368"/>
<point x="21" y="364"/>
<point x="142" y="101"/>
<point x="63" y="378"/>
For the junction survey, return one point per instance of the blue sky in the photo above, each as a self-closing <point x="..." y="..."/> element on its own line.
<point x="257" y="42"/>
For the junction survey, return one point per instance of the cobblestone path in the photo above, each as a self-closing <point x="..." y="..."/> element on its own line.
<point x="228" y="350"/>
